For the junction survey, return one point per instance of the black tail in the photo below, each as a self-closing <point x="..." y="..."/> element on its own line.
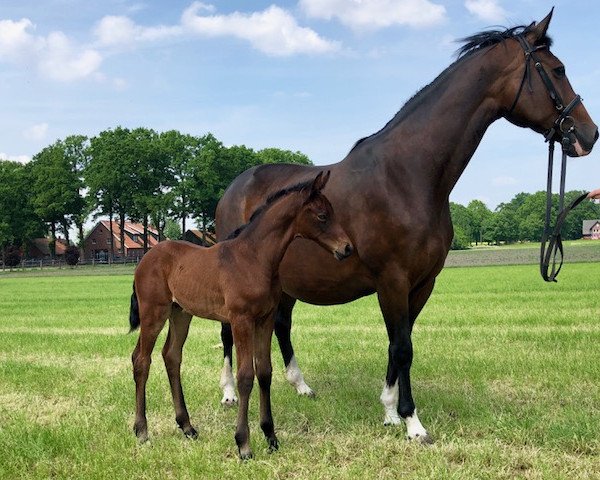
<point x="134" y="312"/>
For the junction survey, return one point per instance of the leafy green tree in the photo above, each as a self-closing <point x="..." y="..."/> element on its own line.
<point x="19" y="223"/>
<point x="56" y="188"/>
<point x="172" y="230"/>
<point x="480" y="214"/>
<point x="462" y="220"/>
<point x="460" y="240"/>
<point x="276" y="155"/>
<point x="504" y="227"/>
<point x="586" y="210"/>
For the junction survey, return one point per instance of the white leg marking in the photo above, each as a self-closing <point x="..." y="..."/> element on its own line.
<point x="415" y="430"/>
<point x="389" y="399"/>
<point x="295" y="377"/>
<point x="227" y="384"/>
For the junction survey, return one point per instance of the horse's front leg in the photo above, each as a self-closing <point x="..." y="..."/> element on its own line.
<point x="243" y="338"/>
<point x="264" y="372"/>
<point x="397" y="400"/>
<point x="227" y="382"/>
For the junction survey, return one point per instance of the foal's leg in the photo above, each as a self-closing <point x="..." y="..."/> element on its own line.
<point x="179" y="325"/>
<point x="393" y="295"/>
<point x="264" y="373"/>
<point x="152" y="320"/>
<point x="227" y="383"/>
<point x="283" y="327"/>
<point x="243" y="337"/>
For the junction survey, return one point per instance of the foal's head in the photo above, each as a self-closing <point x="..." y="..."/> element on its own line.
<point x="316" y="221"/>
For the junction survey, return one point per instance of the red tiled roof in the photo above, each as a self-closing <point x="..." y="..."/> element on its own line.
<point x="132" y="229"/>
<point x="42" y="244"/>
<point x="210" y="237"/>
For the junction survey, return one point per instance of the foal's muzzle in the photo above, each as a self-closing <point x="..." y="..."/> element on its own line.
<point x="344" y="252"/>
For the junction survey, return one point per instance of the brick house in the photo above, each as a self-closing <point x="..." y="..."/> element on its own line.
<point x="206" y="239"/>
<point x="40" y="248"/>
<point x="591" y="229"/>
<point x="97" y="242"/>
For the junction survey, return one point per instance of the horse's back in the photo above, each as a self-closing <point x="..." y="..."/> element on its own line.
<point x="250" y="189"/>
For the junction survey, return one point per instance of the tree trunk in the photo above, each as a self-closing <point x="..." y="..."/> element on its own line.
<point x="183" y="224"/>
<point x="65" y="226"/>
<point x="112" y="238"/>
<point x="122" y="234"/>
<point x="52" y="243"/>
<point x="81" y="243"/>
<point x="203" y="228"/>
<point x="145" y="233"/>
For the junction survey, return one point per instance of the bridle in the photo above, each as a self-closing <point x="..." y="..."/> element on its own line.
<point x="565" y="126"/>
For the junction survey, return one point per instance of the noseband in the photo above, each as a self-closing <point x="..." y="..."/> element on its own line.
<point x="565" y="126"/>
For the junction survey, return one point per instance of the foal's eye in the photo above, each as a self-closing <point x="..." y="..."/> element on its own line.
<point x="560" y="71"/>
<point x="322" y="217"/>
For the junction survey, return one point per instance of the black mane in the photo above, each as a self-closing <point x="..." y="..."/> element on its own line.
<point x="270" y="200"/>
<point x="472" y="44"/>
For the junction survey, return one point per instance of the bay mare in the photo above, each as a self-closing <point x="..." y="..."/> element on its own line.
<point x="235" y="281"/>
<point x="392" y="194"/>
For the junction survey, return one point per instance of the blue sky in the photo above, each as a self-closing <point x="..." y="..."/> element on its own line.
<point x="308" y="75"/>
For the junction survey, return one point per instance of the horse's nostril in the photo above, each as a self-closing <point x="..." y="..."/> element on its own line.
<point x="348" y="250"/>
<point x="596" y="135"/>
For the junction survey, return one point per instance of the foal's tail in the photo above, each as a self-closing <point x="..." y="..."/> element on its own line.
<point x="134" y="312"/>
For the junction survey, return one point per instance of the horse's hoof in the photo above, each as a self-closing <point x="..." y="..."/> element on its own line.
<point x="191" y="433"/>
<point x="391" y="420"/>
<point x="305" y="391"/>
<point x="422" y="439"/>
<point x="244" y="457"/>
<point x="229" y="401"/>
<point x="273" y="444"/>
<point x="141" y="432"/>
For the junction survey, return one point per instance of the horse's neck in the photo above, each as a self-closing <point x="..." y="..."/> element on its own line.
<point x="268" y="237"/>
<point x="433" y="141"/>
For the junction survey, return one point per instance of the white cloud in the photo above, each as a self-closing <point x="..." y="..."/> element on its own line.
<point x="504" y="181"/>
<point x="486" y="10"/>
<point x="36" y="132"/>
<point x="55" y="56"/>
<point x="122" y="31"/>
<point x="375" y="14"/>
<point x="15" y="158"/>
<point x="273" y="31"/>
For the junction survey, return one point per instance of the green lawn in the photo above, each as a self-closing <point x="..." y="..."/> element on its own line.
<point x="506" y="378"/>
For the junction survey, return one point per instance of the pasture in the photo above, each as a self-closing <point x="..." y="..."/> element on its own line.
<point x="506" y="378"/>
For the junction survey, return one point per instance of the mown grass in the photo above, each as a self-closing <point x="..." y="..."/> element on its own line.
<point x="506" y="377"/>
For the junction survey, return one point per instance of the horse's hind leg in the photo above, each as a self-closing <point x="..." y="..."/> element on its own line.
<point x="179" y="325"/>
<point x="227" y="382"/>
<point x="283" y="327"/>
<point x="152" y="320"/>
<point x="262" y="362"/>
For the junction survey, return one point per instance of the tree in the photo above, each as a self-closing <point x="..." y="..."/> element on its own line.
<point x="276" y="155"/>
<point x="504" y="227"/>
<point x="460" y="240"/>
<point x="480" y="214"/>
<point x="462" y="221"/>
<point x="56" y="189"/>
<point x="19" y="222"/>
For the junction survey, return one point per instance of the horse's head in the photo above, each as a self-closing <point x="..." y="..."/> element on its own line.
<point x="538" y="93"/>
<point x="316" y="221"/>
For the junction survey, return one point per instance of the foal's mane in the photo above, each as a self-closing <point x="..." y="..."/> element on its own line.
<point x="270" y="200"/>
<point x="473" y="43"/>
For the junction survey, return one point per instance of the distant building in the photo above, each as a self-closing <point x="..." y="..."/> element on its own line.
<point x="97" y="243"/>
<point x="40" y="248"/>
<point x="206" y="239"/>
<point x="591" y="229"/>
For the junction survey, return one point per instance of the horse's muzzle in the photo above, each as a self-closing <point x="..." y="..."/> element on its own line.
<point x="344" y="252"/>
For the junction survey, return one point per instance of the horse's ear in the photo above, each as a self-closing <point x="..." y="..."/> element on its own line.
<point x="538" y="31"/>
<point x="319" y="182"/>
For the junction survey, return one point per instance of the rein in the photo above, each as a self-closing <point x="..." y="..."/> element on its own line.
<point x="551" y="253"/>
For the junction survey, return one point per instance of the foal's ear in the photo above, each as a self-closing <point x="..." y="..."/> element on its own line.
<point x="538" y="31"/>
<point x="319" y="182"/>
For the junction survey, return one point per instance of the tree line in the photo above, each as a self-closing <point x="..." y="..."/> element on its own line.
<point x="520" y="220"/>
<point x="137" y="174"/>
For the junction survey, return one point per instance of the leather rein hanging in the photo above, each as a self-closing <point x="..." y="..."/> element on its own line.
<point x="551" y="254"/>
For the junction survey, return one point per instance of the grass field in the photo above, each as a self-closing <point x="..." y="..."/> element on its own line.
<point x="506" y="378"/>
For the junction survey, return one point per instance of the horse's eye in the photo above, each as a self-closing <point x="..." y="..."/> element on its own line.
<point x="322" y="217"/>
<point x="560" y="71"/>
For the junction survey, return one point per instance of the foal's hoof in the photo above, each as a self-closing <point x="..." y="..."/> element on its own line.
<point x="423" y="439"/>
<point x="273" y="444"/>
<point x="190" y="432"/>
<point x="244" y="457"/>
<point x="141" y="433"/>
<point x="305" y="391"/>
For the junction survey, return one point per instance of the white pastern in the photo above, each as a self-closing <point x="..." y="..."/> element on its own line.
<point x="389" y="399"/>
<point x="415" y="430"/>
<point x="295" y="377"/>
<point x="227" y="384"/>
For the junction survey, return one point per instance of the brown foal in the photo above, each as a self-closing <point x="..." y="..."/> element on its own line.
<point x="235" y="281"/>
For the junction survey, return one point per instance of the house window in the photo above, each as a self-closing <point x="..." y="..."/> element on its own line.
<point x="108" y="241"/>
<point x="93" y="241"/>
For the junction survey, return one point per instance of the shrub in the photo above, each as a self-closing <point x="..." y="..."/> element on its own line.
<point x="72" y="255"/>
<point x="12" y="256"/>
